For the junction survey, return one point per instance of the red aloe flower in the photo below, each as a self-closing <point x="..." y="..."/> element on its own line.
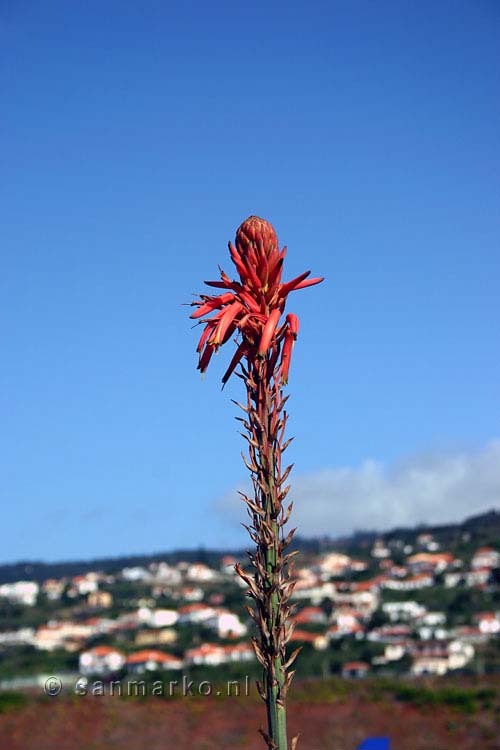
<point x="252" y="307"/>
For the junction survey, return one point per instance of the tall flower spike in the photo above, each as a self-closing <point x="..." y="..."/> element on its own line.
<point x="252" y="308"/>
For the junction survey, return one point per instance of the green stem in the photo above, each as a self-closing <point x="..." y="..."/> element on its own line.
<point x="276" y="711"/>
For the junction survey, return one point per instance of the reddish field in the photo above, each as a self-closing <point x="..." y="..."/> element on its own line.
<point x="104" y="723"/>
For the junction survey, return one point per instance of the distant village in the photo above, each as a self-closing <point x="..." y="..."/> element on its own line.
<point x="169" y="617"/>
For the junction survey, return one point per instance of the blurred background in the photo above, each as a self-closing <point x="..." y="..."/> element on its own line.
<point x="134" y="139"/>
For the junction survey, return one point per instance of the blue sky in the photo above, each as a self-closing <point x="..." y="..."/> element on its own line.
<point x="134" y="138"/>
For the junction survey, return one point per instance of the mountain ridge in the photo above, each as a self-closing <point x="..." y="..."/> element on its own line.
<point x="482" y="528"/>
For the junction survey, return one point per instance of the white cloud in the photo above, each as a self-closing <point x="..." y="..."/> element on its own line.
<point x="421" y="489"/>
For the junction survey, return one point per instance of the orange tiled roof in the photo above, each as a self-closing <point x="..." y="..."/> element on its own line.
<point x="485" y="616"/>
<point x="104" y="651"/>
<point x="150" y="655"/>
<point x="303" y="635"/>
<point x="196" y="607"/>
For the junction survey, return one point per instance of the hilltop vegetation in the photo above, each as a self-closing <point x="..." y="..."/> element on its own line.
<point x="460" y="539"/>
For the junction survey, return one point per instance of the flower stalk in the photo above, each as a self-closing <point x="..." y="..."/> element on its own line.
<point x="251" y="309"/>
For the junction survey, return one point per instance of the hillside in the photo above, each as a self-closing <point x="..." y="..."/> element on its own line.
<point x="460" y="538"/>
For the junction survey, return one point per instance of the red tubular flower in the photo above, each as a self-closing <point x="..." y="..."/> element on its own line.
<point x="268" y="331"/>
<point x="286" y="356"/>
<point x="252" y="306"/>
<point x="293" y="324"/>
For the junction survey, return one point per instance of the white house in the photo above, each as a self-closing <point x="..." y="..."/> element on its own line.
<point x="365" y="600"/>
<point x="432" y="619"/>
<point x="135" y="573"/>
<point x="427" y="542"/>
<point x="335" y="631"/>
<point x="53" y="588"/>
<point x="209" y="654"/>
<point x="19" y="637"/>
<point x="486" y="557"/>
<point x="306" y="577"/>
<point x="477" y="576"/>
<point x="99" y="625"/>
<point x="440" y="657"/>
<point x="226" y="624"/>
<point x="346" y="620"/>
<point x="418" y="581"/>
<point x="150" y="660"/>
<point x="403" y="611"/>
<point x="434" y="562"/>
<point x="165" y="573"/>
<point x="315" y="593"/>
<point x="83" y="585"/>
<point x="54" y="634"/>
<point x="319" y="641"/>
<point x="435" y="664"/>
<point x="239" y="652"/>
<point x="201" y="573"/>
<point x="396" y="651"/>
<point x="488" y="622"/>
<point x="101" y="660"/>
<point x="191" y="593"/>
<point x="196" y="613"/>
<point x="334" y="563"/>
<point x="355" y="669"/>
<point x="428" y="633"/>
<point x="390" y="633"/>
<point x="459" y="654"/>
<point x="453" y="579"/>
<point x="310" y="615"/>
<point x="157" y="618"/>
<point x="20" y="592"/>
<point x="227" y="564"/>
<point x="470" y="634"/>
<point x="379" y="550"/>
